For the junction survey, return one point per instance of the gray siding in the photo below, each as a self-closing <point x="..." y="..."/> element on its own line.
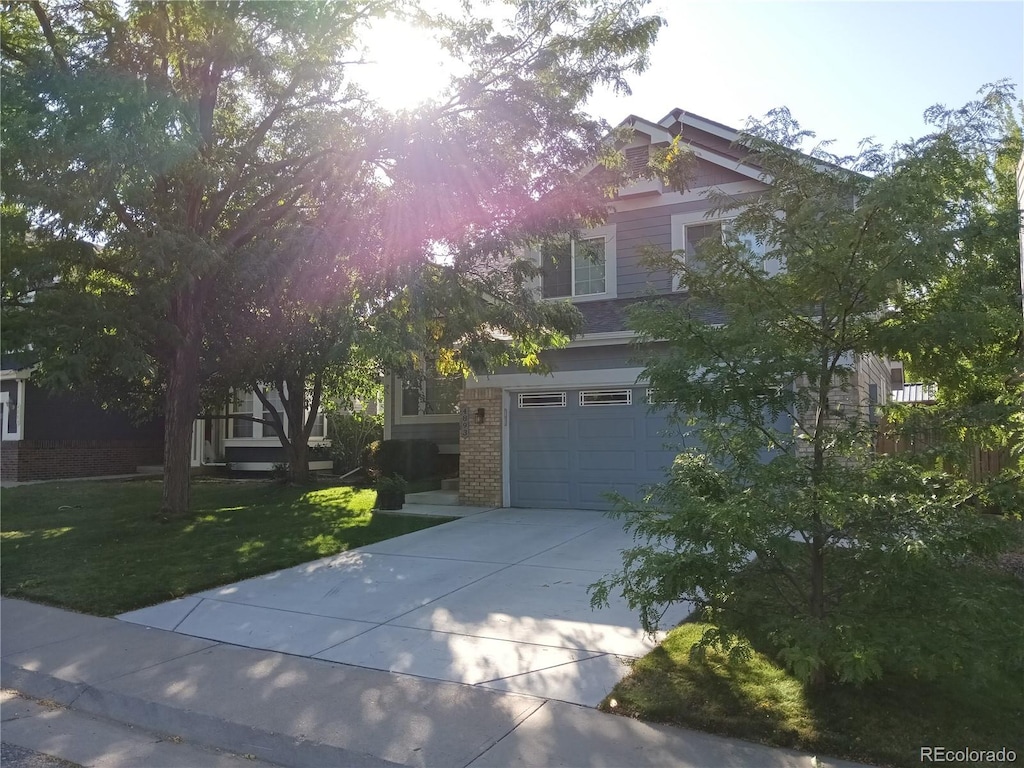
<point x="645" y="229"/>
<point x="638" y="231"/>
<point x="445" y="433"/>
<point x="711" y="174"/>
<point x="712" y="142"/>
<point x="437" y="433"/>
<point x="69" y="416"/>
<point x="591" y="358"/>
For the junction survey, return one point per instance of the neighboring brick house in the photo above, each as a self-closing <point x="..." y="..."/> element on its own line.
<point x="51" y="435"/>
<point x="563" y="440"/>
<point x="48" y="435"/>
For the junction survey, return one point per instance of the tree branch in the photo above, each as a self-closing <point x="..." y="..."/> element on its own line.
<point x="275" y="417"/>
<point x="122" y="213"/>
<point x="12" y="52"/>
<point x="51" y="39"/>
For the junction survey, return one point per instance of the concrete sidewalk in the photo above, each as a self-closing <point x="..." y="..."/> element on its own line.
<point x="306" y="712"/>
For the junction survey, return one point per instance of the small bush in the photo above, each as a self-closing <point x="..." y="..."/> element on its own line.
<point x="412" y="459"/>
<point x="350" y="435"/>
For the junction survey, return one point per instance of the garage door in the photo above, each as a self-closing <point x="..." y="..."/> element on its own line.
<point x="567" y="448"/>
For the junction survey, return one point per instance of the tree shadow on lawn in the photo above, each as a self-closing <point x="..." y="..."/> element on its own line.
<point x="102" y="553"/>
<point x="885" y="721"/>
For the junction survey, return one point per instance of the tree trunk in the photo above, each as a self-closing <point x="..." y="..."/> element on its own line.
<point x="181" y="405"/>
<point x="298" y="437"/>
<point x="816" y="606"/>
<point x="298" y="463"/>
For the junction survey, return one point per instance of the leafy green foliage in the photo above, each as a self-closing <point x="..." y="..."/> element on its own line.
<point x="767" y="374"/>
<point x="964" y="332"/>
<point x="350" y="434"/>
<point x="173" y="137"/>
<point x="884" y="722"/>
<point x="256" y="220"/>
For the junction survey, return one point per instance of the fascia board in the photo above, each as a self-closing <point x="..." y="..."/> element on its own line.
<point x="732" y="164"/>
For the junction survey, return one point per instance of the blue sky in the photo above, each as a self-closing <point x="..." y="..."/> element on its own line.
<point x="847" y="70"/>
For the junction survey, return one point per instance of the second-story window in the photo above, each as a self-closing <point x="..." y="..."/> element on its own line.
<point x="696" y="234"/>
<point x="575" y="268"/>
<point x="690" y="235"/>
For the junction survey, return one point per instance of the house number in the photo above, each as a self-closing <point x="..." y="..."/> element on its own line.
<point x="465" y="422"/>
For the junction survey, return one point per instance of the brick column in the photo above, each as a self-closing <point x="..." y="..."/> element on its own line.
<point x="480" y="447"/>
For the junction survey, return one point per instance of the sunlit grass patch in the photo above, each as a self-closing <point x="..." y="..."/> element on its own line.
<point x="96" y="547"/>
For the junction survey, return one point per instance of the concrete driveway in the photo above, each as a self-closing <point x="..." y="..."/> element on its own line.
<point x="497" y="600"/>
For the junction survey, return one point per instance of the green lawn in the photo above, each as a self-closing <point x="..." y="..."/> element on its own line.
<point x="96" y="547"/>
<point x="883" y="723"/>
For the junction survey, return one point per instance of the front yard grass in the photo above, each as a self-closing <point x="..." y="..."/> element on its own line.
<point x="95" y="546"/>
<point x="882" y="723"/>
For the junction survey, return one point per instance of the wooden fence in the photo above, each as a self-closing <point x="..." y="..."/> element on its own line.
<point x="980" y="462"/>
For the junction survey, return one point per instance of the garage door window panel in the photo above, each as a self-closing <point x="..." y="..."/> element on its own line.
<point x="542" y="400"/>
<point x="601" y="397"/>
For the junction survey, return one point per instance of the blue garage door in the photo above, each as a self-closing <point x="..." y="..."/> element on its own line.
<point x="569" y="447"/>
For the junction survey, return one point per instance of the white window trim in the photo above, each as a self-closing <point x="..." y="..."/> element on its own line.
<point x="262" y="434"/>
<point x="5" y="400"/>
<point x="584" y="393"/>
<point x="395" y="398"/>
<point x="611" y="267"/>
<point x="523" y="403"/>
<point x="679" y="223"/>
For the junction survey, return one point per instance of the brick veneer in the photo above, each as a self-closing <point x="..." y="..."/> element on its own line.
<point x="51" y="459"/>
<point x="851" y="399"/>
<point x="480" y="448"/>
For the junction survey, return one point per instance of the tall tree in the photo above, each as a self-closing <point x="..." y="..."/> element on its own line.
<point x="178" y="136"/>
<point x="173" y="135"/>
<point x="776" y="518"/>
<point x="963" y="331"/>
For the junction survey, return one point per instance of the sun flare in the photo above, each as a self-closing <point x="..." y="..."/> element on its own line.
<point x="405" y="65"/>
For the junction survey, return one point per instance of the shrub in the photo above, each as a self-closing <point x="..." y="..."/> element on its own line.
<point x="350" y="435"/>
<point x="391" y="492"/>
<point x="392" y="484"/>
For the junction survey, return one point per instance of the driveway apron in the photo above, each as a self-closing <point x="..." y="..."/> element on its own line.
<point x="497" y="600"/>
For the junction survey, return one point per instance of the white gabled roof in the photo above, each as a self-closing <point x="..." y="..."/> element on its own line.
<point x="659" y="132"/>
<point x="700" y="123"/>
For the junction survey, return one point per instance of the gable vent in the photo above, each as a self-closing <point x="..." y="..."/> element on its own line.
<point x="637" y="159"/>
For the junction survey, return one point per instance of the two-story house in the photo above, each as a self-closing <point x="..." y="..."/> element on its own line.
<point x="565" y="439"/>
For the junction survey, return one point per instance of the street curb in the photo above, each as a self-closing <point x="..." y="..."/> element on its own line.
<point x="205" y="730"/>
